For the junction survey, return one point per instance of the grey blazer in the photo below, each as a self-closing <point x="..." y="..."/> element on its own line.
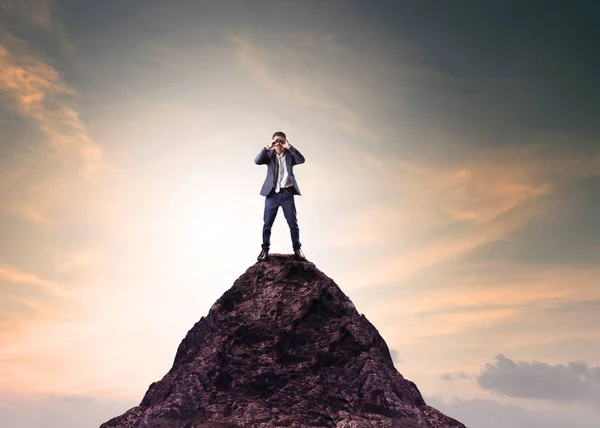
<point x="268" y="157"/>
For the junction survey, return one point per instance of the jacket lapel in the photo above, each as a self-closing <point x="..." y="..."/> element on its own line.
<point x="288" y="161"/>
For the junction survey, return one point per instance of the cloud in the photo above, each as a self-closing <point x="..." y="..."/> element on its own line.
<point x="485" y="413"/>
<point x="61" y="161"/>
<point x="576" y="381"/>
<point x="566" y="234"/>
<point x="30" y="213"/>
<point x="510" y="285"/>
<point x="395" y="356"/>
<point x="29" y="298"/>
<point x="40" y="15"/>
<point x="491" y="304"/>
<point x="470" y="182"/>
<point x="450" y="377"/>
<point x="38" y="92"/>
<point x="437" y="208"/>
<point x="16" y="276"/>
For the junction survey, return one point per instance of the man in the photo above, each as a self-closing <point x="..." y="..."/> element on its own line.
<point x="279" y="189"/>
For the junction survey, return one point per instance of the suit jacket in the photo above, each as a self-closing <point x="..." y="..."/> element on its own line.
<point x="269" y="157"/>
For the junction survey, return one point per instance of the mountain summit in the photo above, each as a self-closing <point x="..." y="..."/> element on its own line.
<point x="283" y="347"/>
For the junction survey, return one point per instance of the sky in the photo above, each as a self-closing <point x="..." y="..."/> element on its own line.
<point x="450" y="189"/>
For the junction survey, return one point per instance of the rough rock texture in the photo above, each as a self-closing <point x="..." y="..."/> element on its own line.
<point x="283" y="347"/>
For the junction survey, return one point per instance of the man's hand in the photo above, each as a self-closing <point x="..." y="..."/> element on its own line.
<point x="286" y="144"/>
<point x="271" y="144"/>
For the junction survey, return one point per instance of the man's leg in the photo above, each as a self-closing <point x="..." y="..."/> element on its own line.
<point x="271" y="206"/>
<point x="289" y="211"/>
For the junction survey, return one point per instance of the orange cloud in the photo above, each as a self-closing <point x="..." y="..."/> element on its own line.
<point x="66" y="154"/>
<point x="38" y="91"/>
<point x="475" y="201"/>
<point x="30" y="300"/>
<point x="462" y="302"/>
<point x="16" y="276"/>
<point x="30" y="213"/>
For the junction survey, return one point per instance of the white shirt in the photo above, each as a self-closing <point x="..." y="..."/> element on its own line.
<point x="283" y="178"/>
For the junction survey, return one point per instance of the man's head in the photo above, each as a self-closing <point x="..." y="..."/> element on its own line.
<point x="279" y="145"/>
<point x="280" y="135"/>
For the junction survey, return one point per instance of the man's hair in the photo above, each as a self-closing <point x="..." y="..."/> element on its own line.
<point x="279" y="134"/>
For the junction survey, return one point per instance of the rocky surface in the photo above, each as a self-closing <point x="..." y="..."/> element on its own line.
<point x="283" y="347"/>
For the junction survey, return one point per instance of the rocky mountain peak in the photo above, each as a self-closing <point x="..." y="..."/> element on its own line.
<point x="283" y="347"/>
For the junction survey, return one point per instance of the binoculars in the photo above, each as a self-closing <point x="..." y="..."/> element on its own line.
<point x="279" y="141"/>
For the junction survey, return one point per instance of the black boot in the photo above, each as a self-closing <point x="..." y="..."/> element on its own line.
<point x="299" y="254"/>
<point x="263" y="254"/>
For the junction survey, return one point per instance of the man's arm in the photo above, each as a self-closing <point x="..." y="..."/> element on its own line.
<point x="297" y="157"/>
<point x="263" y="157"/>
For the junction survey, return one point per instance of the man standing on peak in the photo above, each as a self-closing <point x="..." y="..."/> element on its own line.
<point x="279" y="189"/>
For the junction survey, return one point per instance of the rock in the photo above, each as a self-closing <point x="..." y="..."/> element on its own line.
<point x="283" y="347"/>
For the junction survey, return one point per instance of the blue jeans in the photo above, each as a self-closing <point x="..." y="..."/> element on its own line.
<point x="285" y="199"/>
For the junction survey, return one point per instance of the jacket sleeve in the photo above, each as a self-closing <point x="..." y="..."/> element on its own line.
<point x="263" y="157"/>
<point x="297" y="157"/>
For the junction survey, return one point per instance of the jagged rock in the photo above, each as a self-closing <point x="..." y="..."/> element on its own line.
<point x="283" y="347"/>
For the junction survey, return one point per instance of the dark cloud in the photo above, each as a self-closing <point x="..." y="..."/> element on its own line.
<point x="395" y="356"/>
<point x="481" y="413"/>
<point x="509" y="68"/>
<point x="497" y="70"/>
<point x="576" y="381"/>
<point x="450" y="377"/>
